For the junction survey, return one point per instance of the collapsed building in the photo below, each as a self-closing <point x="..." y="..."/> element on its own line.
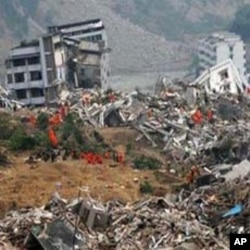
<point x="221" y="78"/>
<point x="73" y="54"/>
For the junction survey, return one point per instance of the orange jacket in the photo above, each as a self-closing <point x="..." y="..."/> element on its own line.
<point x="120" y="157"/>
<point x="52" y="137"/>
<point x="32" y="120"/>
<point x="197" y="117"/>
<point x="107" y="155"/>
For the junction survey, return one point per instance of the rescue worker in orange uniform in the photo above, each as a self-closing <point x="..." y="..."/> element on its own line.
<point x="52" y="137"/>
<point x="107" y="155"/>
<point x="120" y="157"/>
<point x="197" y="116"/>
<point x="192" y="175"/>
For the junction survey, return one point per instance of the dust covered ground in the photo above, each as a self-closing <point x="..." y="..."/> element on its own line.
<point x="25" y="184"/>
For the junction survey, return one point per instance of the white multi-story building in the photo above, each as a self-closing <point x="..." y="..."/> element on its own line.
<point x="36" y="69"/>
<point x="32" y="71"/>
<point x="219" y="47"/>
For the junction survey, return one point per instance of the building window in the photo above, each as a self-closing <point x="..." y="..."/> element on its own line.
<point x="82" y="72"/>
<point x="35" y="75"/>
<point x="51" y="76"/>
<point x="18" y="62"/>
<point x="36" y="92"/>
<point x="19" y="77"/>
<point x="34" y="60"/>
<point x="224" y="75"/>
<point x="9" y="78"/>
<point x="21" y="94"/>
<point x="99" y="37"/>
<point x="49" y="61"/>
<point x="47" y="44"/>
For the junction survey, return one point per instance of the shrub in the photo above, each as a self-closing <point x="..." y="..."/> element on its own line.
<point x="67" y="129"/>
<point x="21" y="141"/>
<point x="43" y="121"/>
<point x="42" y="140"/>
<point x="143" y="162"/>
<point x="146" y="188"/>
<point x="70" y="132"/>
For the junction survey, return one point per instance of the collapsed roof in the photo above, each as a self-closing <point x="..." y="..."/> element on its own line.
<point x="223" y="77"/>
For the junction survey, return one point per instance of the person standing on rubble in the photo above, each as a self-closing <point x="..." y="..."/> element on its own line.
<point x="14" y="107"/>
<point x="210" y="115"/>
<point x="206" y="99"/>
<point x="197" y="116"/>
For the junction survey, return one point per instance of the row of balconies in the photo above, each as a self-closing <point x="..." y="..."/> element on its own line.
<point x="27" y="68"/>
<point x="26" y="85"/>
<point x="22" y="51"/>
<point x="33" y="100"/>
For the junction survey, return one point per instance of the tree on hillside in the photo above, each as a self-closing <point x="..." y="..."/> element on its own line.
<point x="241" y="23"/>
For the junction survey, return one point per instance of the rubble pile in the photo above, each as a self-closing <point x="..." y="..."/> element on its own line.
<point x="190" y="126"/>
<point x="169" y="120"/>
<point x="203" y="217"/>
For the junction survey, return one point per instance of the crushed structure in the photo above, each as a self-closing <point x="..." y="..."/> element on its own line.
<point x="36" y="70"/>
<point x="201" y="219"/>
<point x="221" y="78"/>
<point x="219" y="47"/>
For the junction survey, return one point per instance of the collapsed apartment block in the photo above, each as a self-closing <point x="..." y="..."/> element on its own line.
<point x="219" y="47"/>
<point x="223" y="77"/>
<point x="74" y="54"/>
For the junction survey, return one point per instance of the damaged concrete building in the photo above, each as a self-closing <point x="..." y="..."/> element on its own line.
<point x="75" y="54"/>
<point x="219" y="47"/>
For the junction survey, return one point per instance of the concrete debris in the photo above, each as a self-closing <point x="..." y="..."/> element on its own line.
<point x="189" y="220"/>
<point x="185" y="122"/>
<point x="199" y="126"/>
<point x="8" y="101"/>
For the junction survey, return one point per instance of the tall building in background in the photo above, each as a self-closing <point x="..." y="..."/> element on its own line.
<point x="76" y="54"/>
<point x="219" y="47"/>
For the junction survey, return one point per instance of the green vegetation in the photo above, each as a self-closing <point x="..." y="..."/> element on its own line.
<point x="6" y="129"/>
<point x="70" y="133"/>
<point x="43" y="121"/>
<point x="143" y="162"/>
<point x="22" y="141"/>
<point x="241" y="23"/>
<point x="146" y="188"/>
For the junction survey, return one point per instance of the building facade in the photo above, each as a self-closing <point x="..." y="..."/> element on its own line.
<point x="92" y="31"/>
<point x="219" y="47"/>
<point x="36" y="69"/>
<point x="32" y="71"/>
